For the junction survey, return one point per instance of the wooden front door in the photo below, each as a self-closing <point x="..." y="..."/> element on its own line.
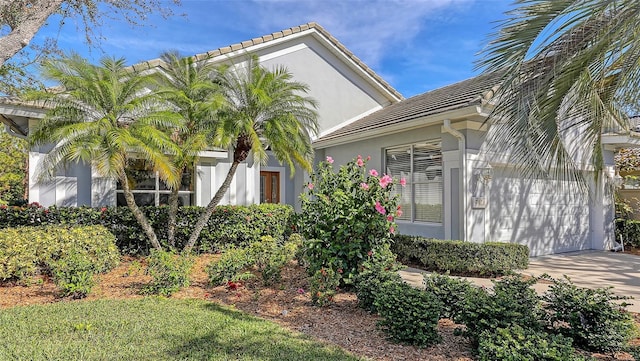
<point x="269" y="187"/>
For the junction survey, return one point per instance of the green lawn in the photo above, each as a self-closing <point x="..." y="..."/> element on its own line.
<point x="150" y="329"/>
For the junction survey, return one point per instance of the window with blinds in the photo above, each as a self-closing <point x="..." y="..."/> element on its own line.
<point x="421" y="166"/>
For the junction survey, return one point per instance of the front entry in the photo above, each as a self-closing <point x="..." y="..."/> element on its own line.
<point x="269" y="187"/>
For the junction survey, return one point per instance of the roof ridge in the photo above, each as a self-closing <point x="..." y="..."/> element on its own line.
<point x="144" y="65"/>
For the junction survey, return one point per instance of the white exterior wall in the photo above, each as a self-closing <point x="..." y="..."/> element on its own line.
<point x="69" y="187"/>
<point x="342" y="95"/>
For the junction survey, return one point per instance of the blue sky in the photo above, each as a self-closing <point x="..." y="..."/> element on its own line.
<point x="415" y="45"/>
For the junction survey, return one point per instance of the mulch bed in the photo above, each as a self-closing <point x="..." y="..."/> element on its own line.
<point x="343" y="323"/>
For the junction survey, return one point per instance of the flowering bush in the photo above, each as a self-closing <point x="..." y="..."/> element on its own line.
<point x="345" y="215"/>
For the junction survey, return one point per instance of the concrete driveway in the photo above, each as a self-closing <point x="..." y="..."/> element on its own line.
<point x="585" y="268"/>
<point x="594" y="269"/>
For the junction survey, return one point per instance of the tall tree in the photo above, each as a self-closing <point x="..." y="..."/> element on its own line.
<point x="22" y="19"/>
<point x="13" y="159"/>
<point x="264" y="109"/>
<point x="189" y="90"/>
<point x="104" y="116"/>
<point x="569" y="70"/>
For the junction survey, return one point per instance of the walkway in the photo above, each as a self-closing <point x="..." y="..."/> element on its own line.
<point x="585" y="268"/>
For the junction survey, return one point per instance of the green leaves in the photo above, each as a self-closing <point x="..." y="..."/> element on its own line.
<point x="568" y="73"/>
<point x="12" y="169"/>
<point x="342" y="214"/>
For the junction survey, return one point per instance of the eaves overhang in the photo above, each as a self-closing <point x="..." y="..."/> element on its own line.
<point x="618" y="141"/>
<point x="472" y="112"/>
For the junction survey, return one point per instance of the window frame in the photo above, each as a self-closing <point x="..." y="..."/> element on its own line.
<point x="157" y="192"/>
<point x="412" y="182"/>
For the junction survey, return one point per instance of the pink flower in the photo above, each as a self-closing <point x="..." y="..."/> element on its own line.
<point x="380" y="208"/>
<point x="300" y="291"/>
<point x="364" y="186"/>
<point x="390" y="218"/>
<point x="373" y="173"/>
<point x="360" y="162"/>
<point x="329" y="160"/>
<point x="368" y="158"/>
<point x="403" y="182"/>
<point x="392" y="230"/>
<point x="399" y="213"/>
<point x="310" y="186"/>
<point x="385" y="180"/>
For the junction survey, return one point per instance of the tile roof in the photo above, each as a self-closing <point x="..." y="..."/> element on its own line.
<point x="459" y="95"/>
<point x="277" y="35"/>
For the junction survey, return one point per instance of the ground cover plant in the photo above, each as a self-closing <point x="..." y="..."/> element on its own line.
<point x="150" y="329"/>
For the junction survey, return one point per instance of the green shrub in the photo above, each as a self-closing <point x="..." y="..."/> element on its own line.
<point x="323" y="286"/>
<point x="589" y="316"/>
<point x="238" y="225"/>
<point x="380" y="267"/>
<point x="269" y="257"/>
<point x="408" y="315"/>
<point x="229" y="266"/>
<point x="519" y="344"/>
<point x="452" y="292"/>
<point x="458" y="257"/>
<point x="345" y="214"/>
<point x="74" y="274"/>
<point x="169" y="272"/>
<point x="629" y="229"/>
<point x="26" y="251"/>
<point x="512" y="302"/>
<point x="18" y="256"/>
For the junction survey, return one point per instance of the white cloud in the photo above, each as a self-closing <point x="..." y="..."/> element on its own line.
<point x="368" y="28"/>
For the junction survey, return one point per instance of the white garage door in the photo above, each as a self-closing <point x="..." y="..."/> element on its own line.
<point x="542" y="214"/>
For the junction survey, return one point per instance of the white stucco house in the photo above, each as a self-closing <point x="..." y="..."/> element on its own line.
<point x="456" y="188"/>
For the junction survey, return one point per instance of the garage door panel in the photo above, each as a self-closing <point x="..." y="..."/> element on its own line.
<point x="542" y="214"/>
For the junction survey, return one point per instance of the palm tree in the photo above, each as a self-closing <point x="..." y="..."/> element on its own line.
<point x="100" y="115"/>
<point x="569" y="70"/>
<point x="264" y="110"/>
<point x="189" y="90"/>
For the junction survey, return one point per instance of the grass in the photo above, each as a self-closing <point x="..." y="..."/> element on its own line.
<point x="150" y="329"/>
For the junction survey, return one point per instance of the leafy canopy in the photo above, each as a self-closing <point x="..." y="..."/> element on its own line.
<point x="569" y="72"/>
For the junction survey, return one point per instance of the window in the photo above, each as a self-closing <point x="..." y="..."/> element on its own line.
<point x="149" y="190"/>
<point x="421" y="165"/>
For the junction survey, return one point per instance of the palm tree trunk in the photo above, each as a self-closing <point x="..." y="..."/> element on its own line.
<point x="204" y="217"/>
<point x="173" y="215"/>
<point x="143" y="221"/>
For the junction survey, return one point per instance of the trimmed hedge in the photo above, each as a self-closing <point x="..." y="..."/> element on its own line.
<point x="458" y="257"/>
<point x="27" y="251"/>
<point x="239" y="225"/>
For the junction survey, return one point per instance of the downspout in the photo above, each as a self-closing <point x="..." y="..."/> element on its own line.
<point x="462" y="146"/>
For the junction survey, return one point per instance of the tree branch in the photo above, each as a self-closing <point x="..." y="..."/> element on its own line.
<point x="22" y="33"/>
